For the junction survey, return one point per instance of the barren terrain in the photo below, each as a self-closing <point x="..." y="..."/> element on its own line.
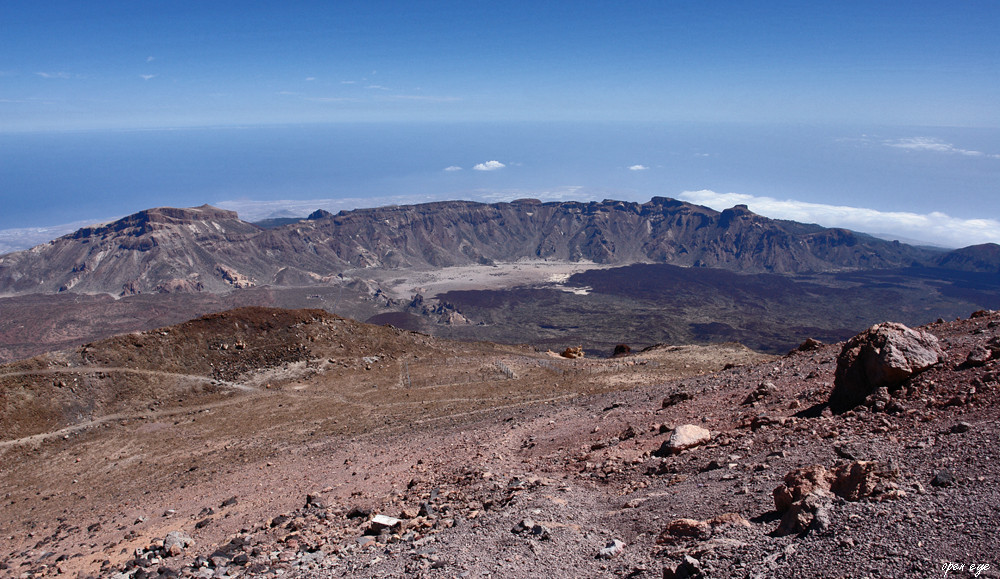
<point x="279" y="441"/>
<point x="404" y="284"/>
<point x="525" y="272"/>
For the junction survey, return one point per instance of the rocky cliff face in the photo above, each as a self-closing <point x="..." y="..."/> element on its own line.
<point x="209" y="249"/>
<point x="164" y="249"/>
<point x="614" y="232"/>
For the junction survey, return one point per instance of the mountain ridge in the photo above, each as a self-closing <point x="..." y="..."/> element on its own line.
<point x="210" y="249"/>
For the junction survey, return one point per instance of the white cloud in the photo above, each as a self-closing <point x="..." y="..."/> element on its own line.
<point x="22" y="238"/>
<point x="147" y="76"/>
<point x="489" y="166"/>
<point x="61" y="75"/>
<point x="251" y="210"/>
<point x="331" y="99"/>
<point x="565" y="193"/>
<point x="150" y="58"/>
<point x="936" y="228"/>
<point x="453" y="168"/>
<point x="935" y="145"/>
<point x="638" y="168"/>
<point x="426" y="98"/>
<point x="310" y="78"/>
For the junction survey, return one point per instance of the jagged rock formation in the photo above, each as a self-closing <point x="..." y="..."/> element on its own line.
<point x="662" y="230"/>
<point x="881" y="357"/>
<point x="208" y="249"/>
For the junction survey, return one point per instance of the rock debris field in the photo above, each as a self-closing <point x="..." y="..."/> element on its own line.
<point x="297" y="444"/>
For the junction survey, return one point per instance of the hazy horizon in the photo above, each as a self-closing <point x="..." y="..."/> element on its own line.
<point x="882" y="117"/>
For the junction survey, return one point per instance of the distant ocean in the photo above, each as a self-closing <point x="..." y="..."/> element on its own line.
<point x="58" y="178"/>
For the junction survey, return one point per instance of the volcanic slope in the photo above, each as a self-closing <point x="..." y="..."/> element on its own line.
<point x="129" y="427"/>
<point x="558" y="468"/>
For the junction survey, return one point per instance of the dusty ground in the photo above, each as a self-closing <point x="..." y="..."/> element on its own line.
<point x="404" y="284"/>
<point x="498" y="461"/>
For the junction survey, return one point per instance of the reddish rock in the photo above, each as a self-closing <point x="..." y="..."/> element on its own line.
<point x="810" y="513"/>
<point x="809" y="345"/>
<point x="860" y="479"/>
<point x="799" y="483"/>
<point x="680" y="529"/>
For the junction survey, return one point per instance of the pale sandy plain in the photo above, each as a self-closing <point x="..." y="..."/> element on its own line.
<point x="404" y="284"/>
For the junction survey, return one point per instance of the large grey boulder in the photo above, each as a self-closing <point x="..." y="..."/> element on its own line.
<point x="684" y="437"/>
<point x="884" y="355"/>
<point x="175" y="543"/>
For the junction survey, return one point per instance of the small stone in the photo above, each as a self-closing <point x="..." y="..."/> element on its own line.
<point x="943" y="478"/>
<point x="536" y="530"/>
<point x="810" y="513"/>
<point x="679" y="530"/>
<point x="175" y="542"/>
<point x="960" y="428"/>
<point x="315" y="502"/>
<point x="675" y="398"/>
<point x="809" y="345"/>
<point x="279" y="520"/>
<point x="689" y="567"/>
<point x="427" y="510"/>
<point x="979" y="356"/>
<point x="380" y="522"/>
<point x="712" y="465"/>
<point x="358" y="513"/>
<point x="611" y="549"/>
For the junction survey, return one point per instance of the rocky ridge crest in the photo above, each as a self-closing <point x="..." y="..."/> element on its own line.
<point x="208" y="249"/>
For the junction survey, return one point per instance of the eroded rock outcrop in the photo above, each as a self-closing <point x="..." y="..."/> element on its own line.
<point x="804" y="498"/>
<point x="884" y="355"/>
<point x="573" y="352"/>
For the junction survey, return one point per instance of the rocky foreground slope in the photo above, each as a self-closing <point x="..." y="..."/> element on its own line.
<point x="393" y="454"/>
<point x="207" y="249"/>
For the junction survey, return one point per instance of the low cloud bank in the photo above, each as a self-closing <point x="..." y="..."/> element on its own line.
<point x="21" y="238"/>
<point x="934" y="228"/>
<point x="935" y="145"/>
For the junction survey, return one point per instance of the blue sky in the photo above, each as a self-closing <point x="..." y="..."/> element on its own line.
<point x="881" y="116"/>
<point x="114" y="64"/>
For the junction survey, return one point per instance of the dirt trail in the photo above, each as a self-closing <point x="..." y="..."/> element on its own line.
<point x="118" y="370"/>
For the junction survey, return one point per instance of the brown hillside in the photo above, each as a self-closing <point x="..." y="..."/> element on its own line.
<point x="488" y="460"/>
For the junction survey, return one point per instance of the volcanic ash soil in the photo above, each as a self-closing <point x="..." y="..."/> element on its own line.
<point x="361" y="451"/>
